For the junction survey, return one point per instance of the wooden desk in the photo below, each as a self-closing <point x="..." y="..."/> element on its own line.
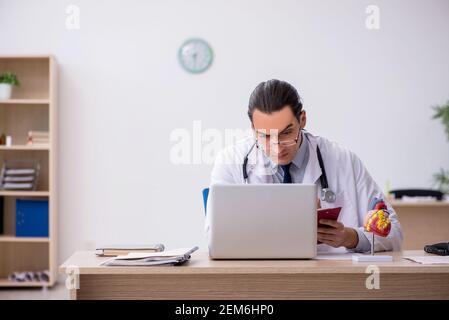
<point x="202" y="278"/>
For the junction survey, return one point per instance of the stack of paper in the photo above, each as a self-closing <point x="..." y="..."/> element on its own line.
<point x="429" y="259"/>
<point x="137" y="259"/>
<point x="18" y="178"/>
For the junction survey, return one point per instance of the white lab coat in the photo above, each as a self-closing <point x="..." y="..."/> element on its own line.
<point x="346" y="175"/>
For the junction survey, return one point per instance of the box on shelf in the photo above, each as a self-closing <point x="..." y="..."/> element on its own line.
<point x="32" y="218"/>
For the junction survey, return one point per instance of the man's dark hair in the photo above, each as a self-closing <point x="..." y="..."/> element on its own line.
<point x="272" y="96"/>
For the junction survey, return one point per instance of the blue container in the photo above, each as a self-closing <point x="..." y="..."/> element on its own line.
<point x="31" y="218"/>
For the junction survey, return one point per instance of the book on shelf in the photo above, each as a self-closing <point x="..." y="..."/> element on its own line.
<point x="38" y="137"/>
<point x="38" y="134"/>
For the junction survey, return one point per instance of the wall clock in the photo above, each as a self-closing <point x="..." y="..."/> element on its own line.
<point x="195" y="55"/>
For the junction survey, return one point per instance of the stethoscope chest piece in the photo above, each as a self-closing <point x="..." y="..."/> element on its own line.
<point x="328" y="195"/>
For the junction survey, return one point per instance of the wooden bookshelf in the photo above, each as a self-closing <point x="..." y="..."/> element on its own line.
<point x="33" y="106"/>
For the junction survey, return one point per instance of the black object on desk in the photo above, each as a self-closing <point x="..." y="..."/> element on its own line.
<point x="441" y="249"/>
<point x="399" y="193"/>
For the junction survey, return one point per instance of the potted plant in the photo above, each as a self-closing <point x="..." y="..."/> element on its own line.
<point x="7" y="81"/>
<point x="441" y="179"/>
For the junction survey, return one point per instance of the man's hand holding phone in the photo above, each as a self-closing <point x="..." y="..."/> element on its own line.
<point x="333" y="232"/>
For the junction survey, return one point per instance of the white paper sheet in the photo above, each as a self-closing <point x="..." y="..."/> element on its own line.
<point x="429" y="259"/>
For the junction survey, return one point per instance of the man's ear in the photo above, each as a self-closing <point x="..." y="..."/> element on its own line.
<point x="303" y="119"/>
<point x="254" y="130"/>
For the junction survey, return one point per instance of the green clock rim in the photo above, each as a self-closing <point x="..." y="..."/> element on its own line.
<point x="208" y="47"/>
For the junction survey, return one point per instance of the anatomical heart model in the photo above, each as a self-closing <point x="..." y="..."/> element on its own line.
<point x="377" y="220"/>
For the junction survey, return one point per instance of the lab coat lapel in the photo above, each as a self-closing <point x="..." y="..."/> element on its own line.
<point x="313" y="170"/>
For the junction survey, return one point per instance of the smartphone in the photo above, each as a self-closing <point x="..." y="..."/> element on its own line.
<point x="329" y="214"/>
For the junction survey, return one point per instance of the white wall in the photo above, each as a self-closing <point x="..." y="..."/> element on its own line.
<point x="122" y="92"/>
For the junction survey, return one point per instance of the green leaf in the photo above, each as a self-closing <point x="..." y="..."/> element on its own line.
<point x="442" y="112"/>
<point x="9" y="78"/>
<point x="441" y="180"/>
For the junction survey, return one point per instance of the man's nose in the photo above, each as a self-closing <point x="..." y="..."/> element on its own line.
<point x="280" y="148"/>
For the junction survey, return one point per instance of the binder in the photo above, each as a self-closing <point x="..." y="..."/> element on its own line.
<point x="205" y="196"/>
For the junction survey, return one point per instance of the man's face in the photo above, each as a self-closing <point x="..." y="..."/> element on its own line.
<point x="277" y="133"/>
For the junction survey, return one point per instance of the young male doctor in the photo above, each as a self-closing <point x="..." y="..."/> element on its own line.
<point x="281" y="151"/>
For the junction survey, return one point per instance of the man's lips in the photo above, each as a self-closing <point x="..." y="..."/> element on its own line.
<point x="276" y="156"/>
<point x="282" y="154"/>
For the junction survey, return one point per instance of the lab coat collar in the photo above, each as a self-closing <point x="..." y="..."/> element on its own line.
<point x="313" y="171"/>
<point x="299" y="158"/>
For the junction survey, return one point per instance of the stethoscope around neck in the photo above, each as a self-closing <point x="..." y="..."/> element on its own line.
<point x="327" y="194"/>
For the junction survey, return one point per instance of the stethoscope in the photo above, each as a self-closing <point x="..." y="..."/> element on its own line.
<point x="327" y="194"/>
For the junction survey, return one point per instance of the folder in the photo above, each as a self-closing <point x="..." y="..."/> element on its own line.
<point x="205" y="196"/>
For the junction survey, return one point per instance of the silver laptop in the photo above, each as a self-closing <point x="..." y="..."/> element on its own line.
<point x="264" y="221"/>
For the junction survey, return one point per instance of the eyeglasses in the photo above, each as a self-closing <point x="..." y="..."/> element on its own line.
<point x="284" y="142"/>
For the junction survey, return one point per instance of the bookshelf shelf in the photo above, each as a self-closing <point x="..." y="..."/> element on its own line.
<point x="4" y="282"/>
<point x="25" y="101"/>
<point x="32" y="107"/>
<point x="6" y="238"/>
<point x="25" y="147"/>
<point x="20" y="193"/>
